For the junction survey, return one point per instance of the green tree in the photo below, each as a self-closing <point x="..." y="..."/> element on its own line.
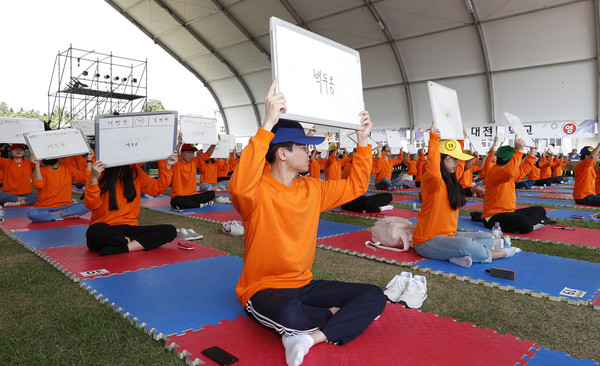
<point x="153" y="105"/>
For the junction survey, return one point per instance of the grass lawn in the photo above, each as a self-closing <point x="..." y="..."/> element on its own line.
<point x="46" y="319"/>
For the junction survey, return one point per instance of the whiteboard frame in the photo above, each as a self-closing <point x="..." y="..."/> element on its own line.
<point x="445" y="111"/>
<point x="33" y="144"/>
<point x="357" y="95"/>
<point x="127" y="161"/>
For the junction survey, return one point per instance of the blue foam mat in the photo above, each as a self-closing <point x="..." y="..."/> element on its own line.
<point x="329" y="228"/>
<point x="52" y="238"/>
<point x="566" y="214"/>
<point x="144" y="196"/>
<point x="529" y="193"/>
<point x="465" y="222"/>
<point x="178" y="297"/>
<point x="537" y="272"/>
<point x="546" y="201"/>
<point x="546" y="357"/>
<point x="215" y="207"/>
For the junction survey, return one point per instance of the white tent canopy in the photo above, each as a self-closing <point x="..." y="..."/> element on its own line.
<point x="535" y="58"/>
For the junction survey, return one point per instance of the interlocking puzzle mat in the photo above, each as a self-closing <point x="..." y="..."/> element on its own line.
<point x="19" y="211"/>
<point x="546" y="201"/>
<point x="24" y="224"/>
<point x="382" y="343"/>
<point x="397" y="212"/>
<point x="566" y="214"/>
<point x="51" y="238"/>
<point x="403" y="198"/>
<point x="540" y="275"/>
<point x="563" y="196"/>
<point x="79" y="263"/>
<point x="157" y="202"/>
<point x="219" y="217"/>
<point x="354" y="243"/>
<point x="545" y="357"/>
<point x="174" y="298"/>
<point x="329" y="228"/>
<point x="215" y="207"/>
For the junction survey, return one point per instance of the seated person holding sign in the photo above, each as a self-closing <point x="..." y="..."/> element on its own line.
<point x="183" y="184"/>
<point x="16" y="188"/>
<point x="113" y="195"/>
<point x="384" y="164"/>
<point x="584" y="190"/>
<point x="53" y="182"/>
<point x="280" y="214"/>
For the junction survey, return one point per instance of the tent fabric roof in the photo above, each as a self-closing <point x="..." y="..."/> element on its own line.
<point x="537" y="59"/>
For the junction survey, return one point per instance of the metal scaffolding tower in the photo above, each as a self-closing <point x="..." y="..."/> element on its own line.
<point x="87" y="83"/>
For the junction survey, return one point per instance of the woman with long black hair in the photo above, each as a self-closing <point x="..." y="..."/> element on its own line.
<point x="113" y="195"/>
<point x="435" y="235"/>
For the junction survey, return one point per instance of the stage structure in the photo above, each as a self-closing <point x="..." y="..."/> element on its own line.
<point x="87" y="83"/>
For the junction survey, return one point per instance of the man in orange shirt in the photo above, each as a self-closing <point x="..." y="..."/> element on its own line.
<point x="584" y="190"/>
<point x="281" y="215"/>
<point x="333" y="164"/>
<point x="53" y="182"/>
<point x="183" y="184"/>
<point x="385" y="164"/>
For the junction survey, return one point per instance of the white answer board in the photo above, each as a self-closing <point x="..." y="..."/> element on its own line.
<point x="321" y="79"/>
<point x="347" y="139"/>
<point x="135" y="137"/>
<point x="198" y="130"/>
<point x="12" y="129"/>
<point x="224" y="146"/>
<point x="393" y="139"/>
<point x="57" y="143"/>
<point x="445" y="111"/>
<point x="519" y="129"/>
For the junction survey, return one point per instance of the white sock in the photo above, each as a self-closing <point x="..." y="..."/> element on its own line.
<point x="511" y="251"/>
<point x="464" y="261"/>
<point x="296" y="347"/>
<point x="538" y="226"/>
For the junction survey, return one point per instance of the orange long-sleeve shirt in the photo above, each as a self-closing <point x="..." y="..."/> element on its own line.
<point x="500" y="195"/>
<point x="54" y="189"/>
<point x="436" y="218"/>
<point x="17" y="176"/>
<point x="585" y="179"/>
<point x="420" y="164"/>
<point x="466" y="180"/>
<point x="280" y="222"/>
<point x="546" y="167"/>
<point x="127" y="212"/>
<point x="597" y="185"/>
<point x="489" y="162"/>
<point x="386" y="166"/>
<point x="183" y="182"/>
<point x="412" y="167"/>
<point x="222" y="168"/>
<point x="333" y="167"/>
<point x="314" y="169"/>
<point x="208" y="172"/>
<point x="557" y="167"/>
<point x="534" y="173"/>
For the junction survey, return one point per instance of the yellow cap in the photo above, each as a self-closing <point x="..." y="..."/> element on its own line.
<point x="452" y="148"/>
<point x="332" y="147"/>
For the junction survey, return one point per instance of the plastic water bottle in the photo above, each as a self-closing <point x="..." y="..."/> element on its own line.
<point x="1" y="213"/>
<point x="497" y="234"/>
<point x="414" y="206"/>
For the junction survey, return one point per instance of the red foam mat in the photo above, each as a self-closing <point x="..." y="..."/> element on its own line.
<point x="581" y="236"/>
<point x="355" y="242"/>
<point x="399" y="337"/>
<point x="221" y="216"/>
<point x="157" y="202"/>
<point x="402" y="198"/>
<point x="73" y="260"/>
<point x="565" y="196"/>
<point x="24" y="224"/>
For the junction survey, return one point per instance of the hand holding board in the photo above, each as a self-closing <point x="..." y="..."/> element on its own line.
<point x="135" y="137"/>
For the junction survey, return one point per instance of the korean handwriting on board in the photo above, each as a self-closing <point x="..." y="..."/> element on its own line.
<point x="325" y="82"/>
<point x="117" y="123"/>
<point x="131" y="144"/>
<point x="55" y="145"/>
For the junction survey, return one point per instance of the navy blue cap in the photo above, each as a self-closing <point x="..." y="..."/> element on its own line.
<point x="586" y="150"/>
<point x="291" y="131"/>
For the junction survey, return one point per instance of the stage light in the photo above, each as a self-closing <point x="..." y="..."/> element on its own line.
<point x="116" y="78"/>
<point x="85" y="73"/>
<point x="134" y="80"/>
<point x="124" y="79"/>
<point x="97" y="75"/>
<point x="107" y="76"/>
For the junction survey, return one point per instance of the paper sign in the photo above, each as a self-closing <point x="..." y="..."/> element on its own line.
<point x="541" y="146"/>
<point x="379" y="136"/>
<point x="572" y="292"/>
<point x="57" y="143"/>
<point x="321" y="79"/>
<point x="517" y="126"/>
<point x="412" y="149"/>
<point x="224" y="146"/>
<point x="132" y="138"/>
<point x="94" y="273"/>
<point x="198" y="130"/>
<point x="445" y="111"/>
<point x="501" y="133"/>
<point x="477" y="146"/>
<point x="85" y="125"/>
<point x="347" y="139"/>
<point x="393" y="138"/>
<point x="12" y="129"/>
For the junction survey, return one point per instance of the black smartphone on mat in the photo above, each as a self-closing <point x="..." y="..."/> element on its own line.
<point x="220" y="356"/>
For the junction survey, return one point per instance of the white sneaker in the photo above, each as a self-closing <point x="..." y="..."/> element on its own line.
<point x="206" y="204"/>
<point x="233" y="228"/>
<point x="8" y="204"/>
<point x="222" y="199"/>
<point x="396" y="286"/>
<point x="193" y="235"/>
<point x="415" y="292"/>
